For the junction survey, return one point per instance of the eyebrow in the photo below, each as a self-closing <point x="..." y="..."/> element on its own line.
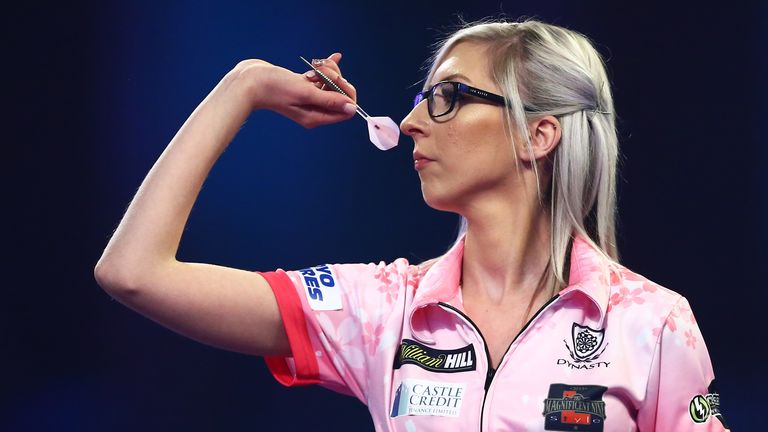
<point x="456" y="75"/>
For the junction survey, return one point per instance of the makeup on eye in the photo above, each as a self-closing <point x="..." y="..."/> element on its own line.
<point x="452" y="77"/>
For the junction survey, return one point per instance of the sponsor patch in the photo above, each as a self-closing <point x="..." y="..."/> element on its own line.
<point x="422" y="397"/>
<point x="699" y="409"/>
<point x="702" y="407"/>
<point x="321" y="288"/>
<point x="585" y="348"/>
<point x="435" y="360"/>
<point x="574" y="408"/>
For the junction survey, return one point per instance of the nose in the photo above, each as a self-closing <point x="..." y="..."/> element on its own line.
<point x="415" y="122"/>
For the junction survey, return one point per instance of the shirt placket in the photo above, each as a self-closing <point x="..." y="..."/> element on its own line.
<point x="490" y="373"/>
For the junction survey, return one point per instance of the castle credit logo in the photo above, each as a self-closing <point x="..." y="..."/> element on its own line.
<point x="422" y="397"/>
<point x="585" y="348"/>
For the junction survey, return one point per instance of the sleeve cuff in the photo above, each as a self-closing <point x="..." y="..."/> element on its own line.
<point x="305" y="370"/>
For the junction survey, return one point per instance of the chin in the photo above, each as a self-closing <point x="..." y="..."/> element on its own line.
<point x="439" y="202"/>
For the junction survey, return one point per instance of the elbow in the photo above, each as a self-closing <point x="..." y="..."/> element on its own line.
<point x="115" y="279"/>
<point x="126" y="278"/>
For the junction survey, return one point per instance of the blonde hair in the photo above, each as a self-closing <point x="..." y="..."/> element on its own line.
<point x="555" y="71"/>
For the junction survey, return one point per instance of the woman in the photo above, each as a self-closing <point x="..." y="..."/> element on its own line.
<point x="514" y="131"/>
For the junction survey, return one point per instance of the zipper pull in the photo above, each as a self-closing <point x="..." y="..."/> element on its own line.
<point x="489" y="377"/>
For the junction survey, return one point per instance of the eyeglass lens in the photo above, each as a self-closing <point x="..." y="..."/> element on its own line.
<point x="440" y="98"/>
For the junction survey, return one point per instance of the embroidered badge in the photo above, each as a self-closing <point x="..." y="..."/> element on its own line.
<point x="585" y="348"/>
<point x="574" y="408"/>
<point x="435" y="360"/>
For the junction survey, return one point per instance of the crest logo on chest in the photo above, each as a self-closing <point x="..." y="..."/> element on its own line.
<point x="585" y="348"/>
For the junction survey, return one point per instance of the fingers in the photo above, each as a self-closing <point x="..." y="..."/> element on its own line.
<point x="331" y="62"/>
<point x="330" y="68"/>
<point x="335" y="77"/>
<point x="317" y="107"/>
<point x="335" y="57"/>
<point x="311" y="116"/>
<point x="328" y="101"/>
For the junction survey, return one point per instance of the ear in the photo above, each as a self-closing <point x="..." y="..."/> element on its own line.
<point x="545" y="135"/>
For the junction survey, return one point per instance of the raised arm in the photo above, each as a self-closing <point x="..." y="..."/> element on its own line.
<point x="220" y="306"/>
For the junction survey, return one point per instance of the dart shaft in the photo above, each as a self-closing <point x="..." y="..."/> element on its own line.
<point x="333" y="85"/>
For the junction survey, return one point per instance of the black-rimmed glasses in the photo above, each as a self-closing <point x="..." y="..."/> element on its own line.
<point x="441" y="97"/>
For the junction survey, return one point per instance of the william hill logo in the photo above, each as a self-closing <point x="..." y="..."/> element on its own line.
<point x="435" y="360"/>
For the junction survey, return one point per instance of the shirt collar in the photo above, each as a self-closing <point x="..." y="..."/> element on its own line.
<point x="589" y="275"/>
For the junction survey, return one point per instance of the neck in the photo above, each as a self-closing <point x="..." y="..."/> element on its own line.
<point x="506" y="250"/>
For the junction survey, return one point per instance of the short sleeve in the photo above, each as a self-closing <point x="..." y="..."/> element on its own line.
<point x="681" y="393"/>
<point x="335" y="317"/>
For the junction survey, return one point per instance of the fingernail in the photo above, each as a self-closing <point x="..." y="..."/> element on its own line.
<point x="311" y="74"/>
<point x="349" y="108"/>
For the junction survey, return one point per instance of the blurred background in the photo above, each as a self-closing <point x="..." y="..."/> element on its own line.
<point x="94" y="92"/>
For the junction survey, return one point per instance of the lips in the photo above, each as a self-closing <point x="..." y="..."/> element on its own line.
<point x="420" y="161"/>
<point x="419" y="156"/>
<point x="419" y="164"/>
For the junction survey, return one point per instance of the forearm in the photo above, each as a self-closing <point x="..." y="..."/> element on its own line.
<point x="150" y="231"/>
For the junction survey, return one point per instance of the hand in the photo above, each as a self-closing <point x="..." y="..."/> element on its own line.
<point x="330" y="68"/>
<point x="300" y="97"/>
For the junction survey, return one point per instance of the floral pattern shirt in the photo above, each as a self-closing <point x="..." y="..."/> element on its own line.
<point x="613" y="351"/>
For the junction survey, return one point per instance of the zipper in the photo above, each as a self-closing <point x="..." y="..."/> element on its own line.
<point x="491" y="372"/>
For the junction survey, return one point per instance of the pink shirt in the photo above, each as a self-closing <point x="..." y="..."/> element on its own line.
<point x="611" y="352"/>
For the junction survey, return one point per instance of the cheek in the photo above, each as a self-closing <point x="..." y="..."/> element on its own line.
<point x="475" y="154"/>
<point x="482" y="142"/>
<point x="463" y="137"/>
<point x="463" y="155"/>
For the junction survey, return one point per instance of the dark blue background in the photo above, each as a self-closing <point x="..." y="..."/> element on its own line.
<point x="93" y="93"/>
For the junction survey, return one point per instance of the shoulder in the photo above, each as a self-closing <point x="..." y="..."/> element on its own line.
<point x="629" y="288"/>
<point x="643" y="306"/>
<point x="363" y="285"/>
<point x="382" y="271"/>
<point x="368" y="282"/>
<point x="396" y="271"/>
